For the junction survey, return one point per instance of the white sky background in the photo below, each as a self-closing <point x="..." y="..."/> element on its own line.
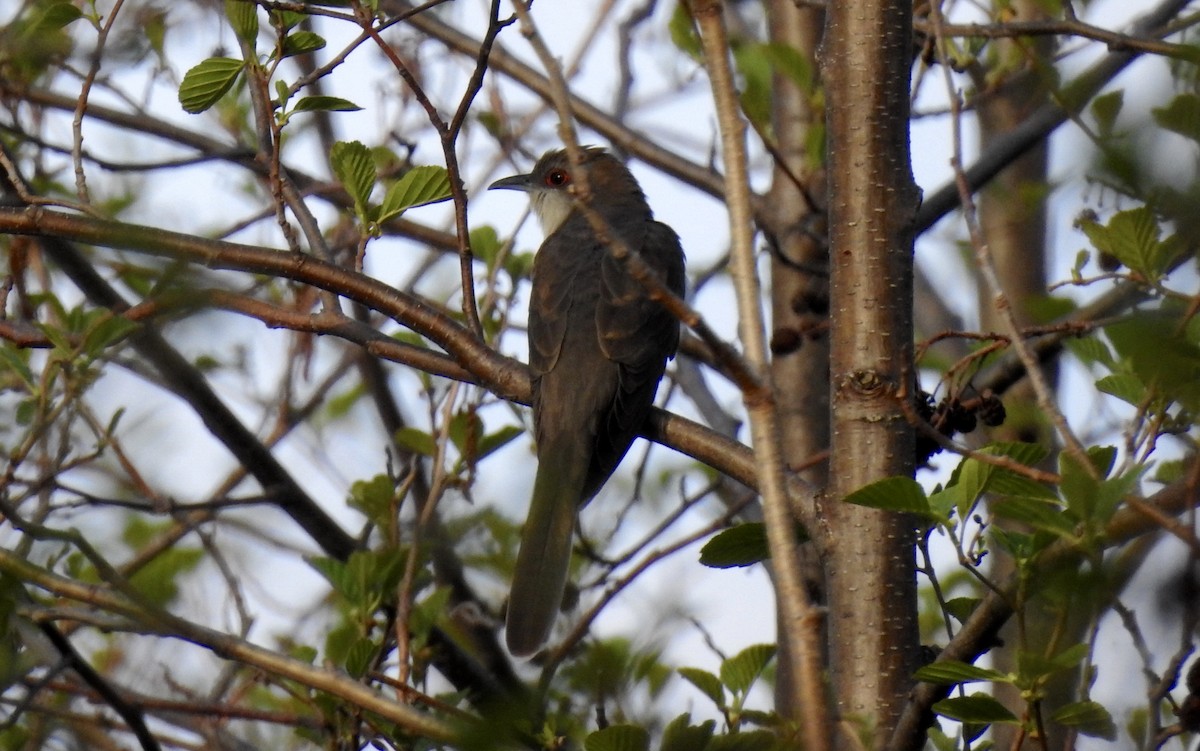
<point x="671" y="105"/>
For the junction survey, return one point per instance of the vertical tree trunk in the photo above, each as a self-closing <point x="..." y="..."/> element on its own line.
<point x="869" y="554"/>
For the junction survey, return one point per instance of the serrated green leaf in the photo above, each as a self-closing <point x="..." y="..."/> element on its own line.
<point x="618" y="738"/>
<point x="709" y="684"/>
<point x="360" y="657"/>
<point x="325" y="103"/>
<point x="1091" y="349"/>
<point x="979" y="709"/>
<point x="1125" y="386"/>
<point x="1029" y="454"/>
<point x="243" y="17"/>
<point x="1132" y="237"/>
<point x="740" y="545"/>
<point x="1154" y="349"/>
<point x="417" y="187"/>
<point x="950" y="672"/>
<point x="207" y="82"/>
<point x="1079" y="487"/>
<point x="899" y="494"/>
<point x="352" y="165"/>
<point x="681" y="735"/>
<point x="1037" y="514"/>
<point x="1089" y="717"/>
<point x="302" y="42"/>
<point x="739" y="672"/>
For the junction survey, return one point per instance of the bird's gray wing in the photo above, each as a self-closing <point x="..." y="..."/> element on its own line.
<point x="637" y="334"/>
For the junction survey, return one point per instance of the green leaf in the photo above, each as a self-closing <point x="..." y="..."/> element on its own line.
<point x="417" y="187"/>
<point x="325" y="103"/>
<point x="1125" y="386"/>
<point x="1132" y="238"/>
<point x="374" y="498"/>
<point x="962" y="607"/>
<point x="107" y="332"/>
<point x="207" y="82"/>
<point x="978" y="709"/>
<point x="243" y="17"/>
<point x="618" y="738"/>
<point x="1071" y="656"/>
<point x="900" y="494"/>
<point x="464" y="431"/>
<point x="1037" y="514"/>
<point x="157" y="581"/>
<point x="709" y="684"/>
<point x="332" y="569"/>
<point x="493" y="441"/>
<point x="486" y="245"/>
<point x="739" y="672"/>
<point x="1154" y="348"/>
<point x="302" y="42"/>
<point x="789" y="61"/>
<point x="1091" y="350"/>
<point x="416" y="441"/>
<point x="740" y="545"/>
<point x="15" y="361"/>
<point x="1106" y="108"/>
<point x="681" y="735"/>
<point x="1089" y="717"/>
<point x="360" y="657"/>
<point x="755" y="89"/>
<point x="682" y="28"/>
<point x="352" y="165"/>
<point x="949" y="672"/>
<point x="287" y="20"/>
<point x="1181" y="115"/>
<point x="1080" y="489"/>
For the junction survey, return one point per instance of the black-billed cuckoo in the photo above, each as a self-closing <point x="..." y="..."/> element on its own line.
<point x="598" y="346"/>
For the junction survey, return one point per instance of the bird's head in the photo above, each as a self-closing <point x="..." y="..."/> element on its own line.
<point x="551" y="185"/>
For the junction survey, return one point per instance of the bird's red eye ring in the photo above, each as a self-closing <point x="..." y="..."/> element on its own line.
<point x="557" y="178"/>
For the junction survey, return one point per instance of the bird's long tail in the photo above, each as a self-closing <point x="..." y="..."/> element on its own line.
<point x="545" y="555"/>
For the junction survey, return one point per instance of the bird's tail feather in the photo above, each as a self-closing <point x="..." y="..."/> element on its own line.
<point x="545" y="555"/>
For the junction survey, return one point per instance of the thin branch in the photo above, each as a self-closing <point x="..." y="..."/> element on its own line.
<point x="1005" y="149"/>
<point x="504" y="376"/>
<point x="798" y="615"/>
<point x="229" y="647"/>
<point x="132" y="715"/>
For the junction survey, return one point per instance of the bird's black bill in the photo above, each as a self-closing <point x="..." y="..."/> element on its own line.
<point x="516" y="182"/>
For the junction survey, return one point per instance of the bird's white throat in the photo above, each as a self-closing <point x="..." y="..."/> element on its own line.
<point x="551" y="208"/>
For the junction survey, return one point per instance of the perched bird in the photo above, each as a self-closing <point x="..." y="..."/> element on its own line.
<point x="598" y="346"/>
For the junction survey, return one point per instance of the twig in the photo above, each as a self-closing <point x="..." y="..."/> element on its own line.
<point x="798" y="616"/>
